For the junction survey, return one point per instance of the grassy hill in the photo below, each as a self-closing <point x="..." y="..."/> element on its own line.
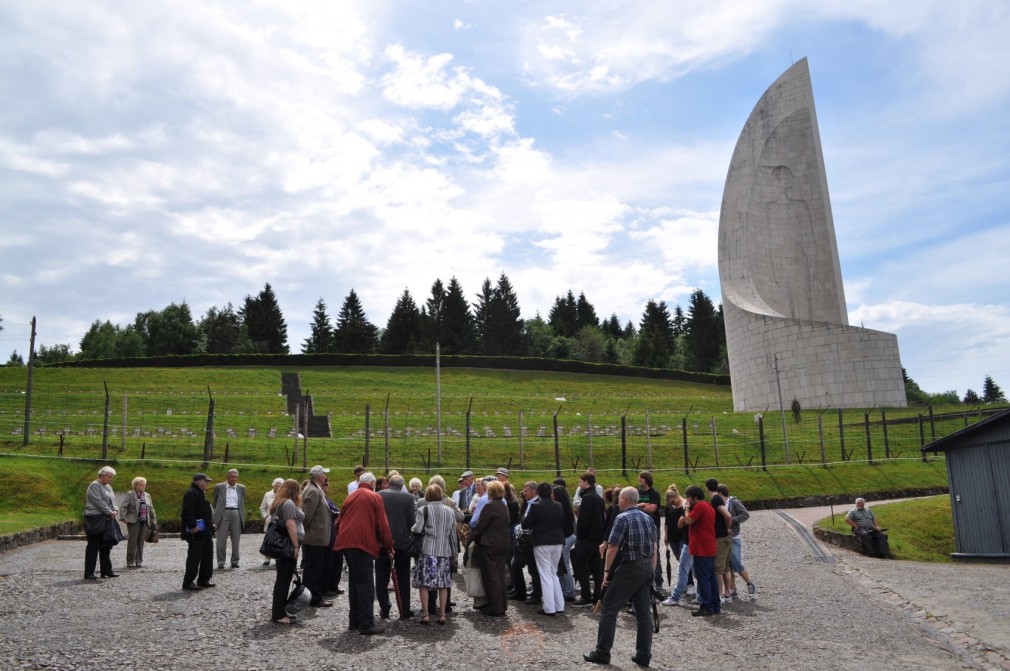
<point x="157" y="420"/>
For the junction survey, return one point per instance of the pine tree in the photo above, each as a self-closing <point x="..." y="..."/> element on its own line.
<point x="219" y="330"/>
<point x="321" y="336"/>
<point x="264" y="322"/>
<point x="704" y="334"/>
<point x="504" y="325"/>
<point x="655" y="336"/>
<point x="459" y="333"/>
<point x="971" y="397"/>
<point x="564" y="316"/>
<point x="585" y="313"/>
<point x="355" y="334"/>
<point x="402" y="334"/>
<point x="991" y="392"/>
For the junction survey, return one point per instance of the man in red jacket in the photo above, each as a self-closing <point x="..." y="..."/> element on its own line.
<point x="362" y="535"/>
<point x="701" y="544"/>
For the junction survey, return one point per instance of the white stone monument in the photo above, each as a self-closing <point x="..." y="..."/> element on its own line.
<point x="787" y="330"/>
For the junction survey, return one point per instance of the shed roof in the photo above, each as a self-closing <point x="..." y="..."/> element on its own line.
<point x="960" y="438"/>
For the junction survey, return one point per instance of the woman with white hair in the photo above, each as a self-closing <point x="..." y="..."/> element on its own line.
<point x="99" y="511"/>
<point x="265" y="504"/>
<point x="137" y="510"/>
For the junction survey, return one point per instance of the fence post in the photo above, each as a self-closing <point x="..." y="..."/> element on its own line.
<point x="28" y="389"/>
<point x="841" y="434"/>
<point x="305" y="433"/>
<point x="761" y="439"/>
<point x="624" y="447"/>
<point x="683" y="433"/>
<point x="589" y="431"/>
<point x="887" y="445"/>
<point x="467" y="442"/>
<point x="648" y="441"/>
<point x="869" y="445"/>
<point x="932" y="425"/>
<point x="385" y="426"/>
<point x="122" y="439"/>
<point x="105" y="426"/>
<point x="557" y="447"/>
<point x="820" y="435"/>
<point x="368" y="433"/>
<point x="715" y="440"/>
<point x="522" y="463"/>
<point x="208" y="438"/>
<point x="922" y="438"/>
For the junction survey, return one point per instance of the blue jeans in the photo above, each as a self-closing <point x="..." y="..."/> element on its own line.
<point x="568" y="580"/>
<point x="684" y="572"/>
<point x="708" y="586"/>
<point x="735" y="556"/>
<point x="630" y="580"/>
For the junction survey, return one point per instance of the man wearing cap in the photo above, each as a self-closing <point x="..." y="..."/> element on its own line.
<point x="197" y="526"/>
<point x="465" y="492"/>
<point x="229" y="517"/>
<point x="502" y="474"/>
<point x="268" y="500"/>
<point x="318" y="524"/>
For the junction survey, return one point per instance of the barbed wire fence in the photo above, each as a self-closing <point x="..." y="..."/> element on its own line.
<point x="535" y="434"/>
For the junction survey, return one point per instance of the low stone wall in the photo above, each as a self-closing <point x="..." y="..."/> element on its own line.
<point x="847" y="541"/>
<point x="11" y="541"/>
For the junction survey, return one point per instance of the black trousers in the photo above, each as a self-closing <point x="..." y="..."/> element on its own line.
<point x="492" y="574"/>
<point x="199" y="559"/>
<point x="360" y="588"/>
<point x="331" y="580"/>
<point x="95" y="553"/>
<point x="313" y="561"/>
<point x="383" y="567"/>
<point x="586" y="563"/>
<point x="282" y="584"/>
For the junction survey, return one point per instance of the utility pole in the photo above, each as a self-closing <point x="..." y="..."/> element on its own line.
<point x="28" y="389"/>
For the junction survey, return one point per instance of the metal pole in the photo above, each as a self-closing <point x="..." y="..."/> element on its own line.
<point x="761" y="438"/>
<point x="385" y="422"/>
<point x="122" y="438"/>
<point x="648" y="441"/>
<point x="715" y="440"/>
<point x="105" y="425"/>
<point x="883" y="423"/>
<point x="589" y="425"/>
<point x="841" y="434"/>
<point x="522" y="427"/>
<point x="28" y="389"/>
<point x="782" y="408"/>
<point x="368" y="431"/>
<point x="557" y="448"/>
<point x="869" y="444"/>
<point x="683" y="432"/>
<point x="438" y="402"/>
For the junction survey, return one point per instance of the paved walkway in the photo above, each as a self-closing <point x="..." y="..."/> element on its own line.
<point x="856" y="613"/>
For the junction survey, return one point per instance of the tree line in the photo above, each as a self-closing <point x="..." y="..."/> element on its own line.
<point x="691" y="340"/>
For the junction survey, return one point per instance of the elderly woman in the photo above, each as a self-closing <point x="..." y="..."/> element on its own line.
<point x="493" y="539"/>
<point x="99" y="511"/>
<point x="415" y="488"/>
<point x="137" y="511"/>
<point x="287" y="509"/>
<point x="546" y="519"/>
<point x="433" y="569"/>
<point x="266" y="503"/>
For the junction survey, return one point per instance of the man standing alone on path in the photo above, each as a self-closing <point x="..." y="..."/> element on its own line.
<point x="628" y="574"/>
<point x="197" y="525"/>
<point x="229" y="517"/>
<point x="364" y="533"/>
<point x="318" y="525"/>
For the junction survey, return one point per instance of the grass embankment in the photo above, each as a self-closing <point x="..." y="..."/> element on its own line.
<point x="918" y="530"/>
<point x="38" y="491"/>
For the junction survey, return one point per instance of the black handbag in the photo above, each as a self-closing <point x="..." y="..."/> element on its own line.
<point x="94" y="525"/>
<point x="416" y="541"/>
<point x="152" y="533"/>
<point x="524" y="540"/>
<point x="277" y="544"/>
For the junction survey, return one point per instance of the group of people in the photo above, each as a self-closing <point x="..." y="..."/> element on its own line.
<point x="101" y="517"/>
<point x="596" y="547"/>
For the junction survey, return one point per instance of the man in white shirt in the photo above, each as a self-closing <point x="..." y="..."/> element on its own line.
<point x="353" y="484"/>
<point x="229" y="517"/>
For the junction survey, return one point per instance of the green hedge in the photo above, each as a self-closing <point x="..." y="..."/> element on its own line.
<point x="396" y="360"/>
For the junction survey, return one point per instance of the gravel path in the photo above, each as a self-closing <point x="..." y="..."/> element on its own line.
<point x="857" y="613"/>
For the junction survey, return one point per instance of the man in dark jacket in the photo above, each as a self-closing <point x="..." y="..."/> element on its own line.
<point x="588" y="536"/>
<point x="400" y="513"/>
<point x="198" y="530"/>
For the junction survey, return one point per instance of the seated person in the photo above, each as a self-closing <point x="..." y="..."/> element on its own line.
<point x="864" y="525"/>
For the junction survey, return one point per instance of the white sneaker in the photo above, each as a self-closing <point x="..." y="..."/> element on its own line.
<point x="690" y="590"/>
<point x="671" y="601"/>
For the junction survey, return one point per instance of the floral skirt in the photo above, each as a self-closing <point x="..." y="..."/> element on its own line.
<point x="432" y="572"/>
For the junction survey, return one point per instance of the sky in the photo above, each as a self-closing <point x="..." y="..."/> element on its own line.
<point x="153" y="153"/>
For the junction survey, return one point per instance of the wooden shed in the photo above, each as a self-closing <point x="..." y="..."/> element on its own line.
<point x="978" y="473"/>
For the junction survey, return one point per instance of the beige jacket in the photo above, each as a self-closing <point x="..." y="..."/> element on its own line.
<point x="130" y="508"/>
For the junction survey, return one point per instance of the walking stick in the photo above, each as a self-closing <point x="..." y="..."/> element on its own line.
<point x="603" y="591"/>
<point x="655" y="609"/>
<point x="669" y="569"/>
<point x="396" y="587"/>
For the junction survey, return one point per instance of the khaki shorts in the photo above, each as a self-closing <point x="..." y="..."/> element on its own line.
<point x="722" y="548"/>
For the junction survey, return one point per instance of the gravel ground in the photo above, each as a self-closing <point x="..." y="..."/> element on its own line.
<point x="857" y="613"/>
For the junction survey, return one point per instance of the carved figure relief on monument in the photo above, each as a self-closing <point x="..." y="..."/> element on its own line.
<point x="787" y="330"/>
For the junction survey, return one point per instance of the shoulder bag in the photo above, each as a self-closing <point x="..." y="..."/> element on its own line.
<point x="277" y="543"/>
<point x="152" y="533"/>
<point x="416" y="540"/>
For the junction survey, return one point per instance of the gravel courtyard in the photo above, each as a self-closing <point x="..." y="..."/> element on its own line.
<point x="855" y="613"/>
